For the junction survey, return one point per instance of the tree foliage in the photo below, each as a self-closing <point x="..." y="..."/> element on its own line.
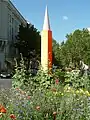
<point x="28" y="43"/>
<point x="68" y="53"/>
<point x="76" y="48"/>
<point x="56" y="51"/>
<point x="28" y="39"/>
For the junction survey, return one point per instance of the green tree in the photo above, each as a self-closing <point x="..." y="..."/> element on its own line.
<point x="56" y="54"/>
<point x="28" y="40"/>
<point x="76" y="48"/>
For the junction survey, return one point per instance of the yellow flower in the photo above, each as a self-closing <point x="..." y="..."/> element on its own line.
<point x="77" y="91"/>
<point x="62" y="94"/>
<point x="87" y="93"/>
<point x="69" y="88"/>
<point x="82" y="91"/>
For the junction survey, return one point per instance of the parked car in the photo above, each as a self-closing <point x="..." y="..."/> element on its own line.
<point x="5" y="75"/>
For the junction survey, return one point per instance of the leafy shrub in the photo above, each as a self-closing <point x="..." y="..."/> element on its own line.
<point x="20" y="78"/>
<point x="49" y="98"/>
<point x="75" y="80"/>
<point x="24" y="79"/>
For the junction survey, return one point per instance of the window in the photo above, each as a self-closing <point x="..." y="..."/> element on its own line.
<point x="12" y="21"/>
<point x="2" y="45"/>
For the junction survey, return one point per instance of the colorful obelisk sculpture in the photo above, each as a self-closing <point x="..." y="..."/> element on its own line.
<point x="46" y="43"/>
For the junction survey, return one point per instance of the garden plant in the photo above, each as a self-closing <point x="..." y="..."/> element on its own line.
<point x="46" y="96"/>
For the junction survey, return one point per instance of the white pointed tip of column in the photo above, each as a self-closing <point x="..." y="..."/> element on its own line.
<point x="46" y="25"/>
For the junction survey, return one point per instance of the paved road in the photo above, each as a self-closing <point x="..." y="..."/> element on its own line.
<point x="5" y="83"/>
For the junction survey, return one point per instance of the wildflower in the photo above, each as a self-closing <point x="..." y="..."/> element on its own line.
<point x="22" y="92"/>
<point x="0" y="106"/>
<point x="2" y="109"/>
<point x="54" y="89"/>
<point x="62" y="94"/>
<point x="38" y="108"/>
<point x="54" y="113"/>
<point x="77" y="92"/>
<point x="69" y="88"/>
<point x="28" y="97"/>
<point x="20" y="111"/>
<point x="81" y="91"/>
<point x="12" y="116"/>
<point x="17" y="88"/>
<point x="87" y="93"/>
<point x="57" y="81"/>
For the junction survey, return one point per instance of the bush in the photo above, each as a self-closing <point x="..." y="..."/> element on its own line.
<point x="46" y="97"/>
<point x="76" y="81"/>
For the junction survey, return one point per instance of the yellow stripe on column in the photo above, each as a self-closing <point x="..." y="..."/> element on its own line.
<point x="44" y="49"/>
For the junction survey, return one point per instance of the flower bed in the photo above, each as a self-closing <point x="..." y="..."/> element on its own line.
<point x="46" y="97"/>
<point x="56" y="103"/>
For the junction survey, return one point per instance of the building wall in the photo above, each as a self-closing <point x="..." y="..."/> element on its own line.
<point x="3" y="30"/>
<point x="3" y="21"/>
<point x="10" y="19"/>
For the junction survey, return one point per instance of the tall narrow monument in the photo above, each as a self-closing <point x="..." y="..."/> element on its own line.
<point x="46" y="43"/>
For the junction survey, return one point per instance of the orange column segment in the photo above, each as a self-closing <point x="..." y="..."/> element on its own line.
<point x="49" y="49"/>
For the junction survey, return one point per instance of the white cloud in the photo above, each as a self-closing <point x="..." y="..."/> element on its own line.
<point x="65" y="18"/>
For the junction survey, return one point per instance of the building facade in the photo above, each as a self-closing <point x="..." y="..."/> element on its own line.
<point x="10" y="19"/>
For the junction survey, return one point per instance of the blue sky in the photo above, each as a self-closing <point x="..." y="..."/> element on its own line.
<point x="65" y="15"/>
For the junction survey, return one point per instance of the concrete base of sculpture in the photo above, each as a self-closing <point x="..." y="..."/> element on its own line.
<point x="5" y="83"/>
